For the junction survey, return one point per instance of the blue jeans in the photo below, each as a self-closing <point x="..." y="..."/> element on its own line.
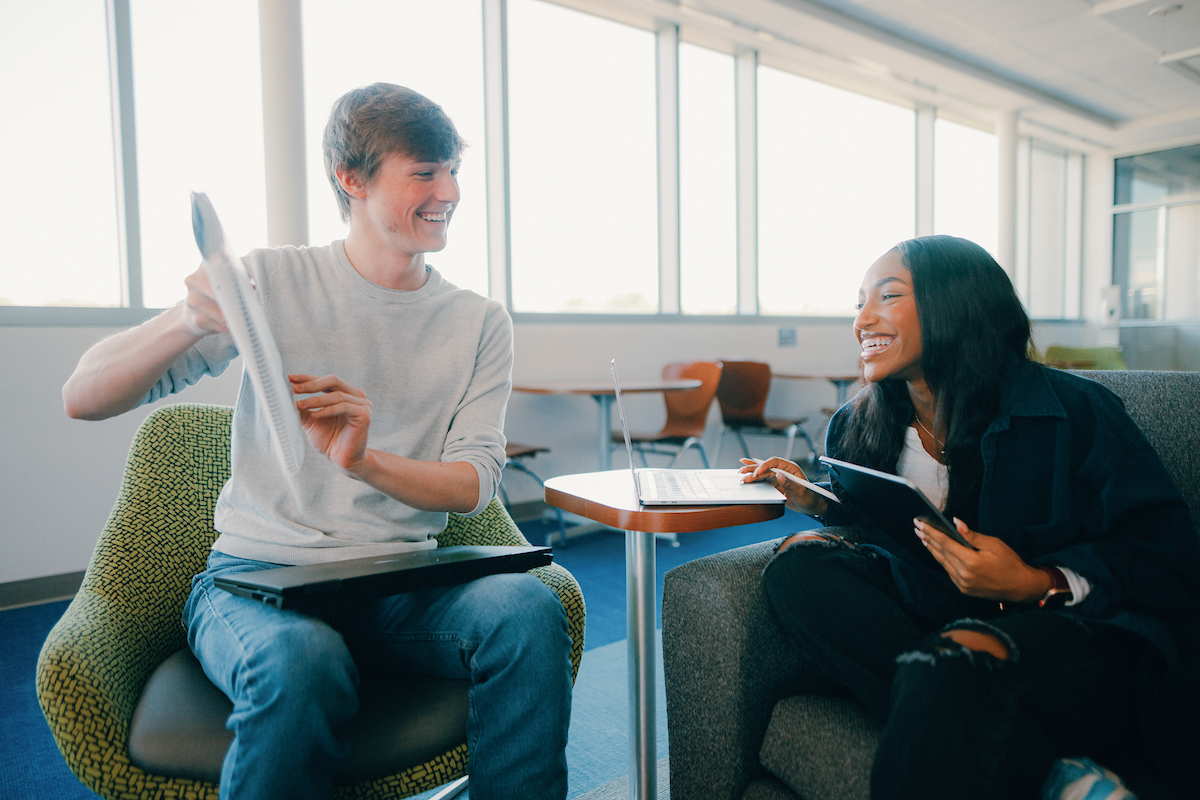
<point x="293" y="678"/>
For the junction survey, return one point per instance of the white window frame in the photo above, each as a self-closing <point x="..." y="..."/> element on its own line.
<point x="668" y="36"/>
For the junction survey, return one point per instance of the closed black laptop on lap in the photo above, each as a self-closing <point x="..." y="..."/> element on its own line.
<point x="380" y="576"/>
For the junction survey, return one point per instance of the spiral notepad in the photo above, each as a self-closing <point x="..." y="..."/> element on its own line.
<point x="248" y="325"/>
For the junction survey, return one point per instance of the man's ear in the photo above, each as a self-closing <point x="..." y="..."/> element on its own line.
<point x="350" y="182"/>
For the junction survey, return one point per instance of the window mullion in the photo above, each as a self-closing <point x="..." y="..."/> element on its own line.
<point x="746" y="105"/>
<point x="120" y="72"/>
<point x="667" y="85"/>
<point x="495" y="101"/>
<point x="924" y="118"/>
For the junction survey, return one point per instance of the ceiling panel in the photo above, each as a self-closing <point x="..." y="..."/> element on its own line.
<point x="1056" y="62"/>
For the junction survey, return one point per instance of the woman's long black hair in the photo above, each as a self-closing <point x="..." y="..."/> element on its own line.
<point x="973" y="327"/>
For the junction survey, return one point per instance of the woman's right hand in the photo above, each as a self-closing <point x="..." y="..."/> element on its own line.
<point x="799" y="497"/>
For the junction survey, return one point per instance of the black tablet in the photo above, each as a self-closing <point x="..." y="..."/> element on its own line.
<point x="892" y="502"/>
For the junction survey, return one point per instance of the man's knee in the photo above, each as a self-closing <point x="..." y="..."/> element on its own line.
<point x="520" y="606"/>
<point x="303" y="658"/>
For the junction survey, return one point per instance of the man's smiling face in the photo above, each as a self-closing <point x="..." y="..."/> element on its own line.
<point x="411" y="202"/>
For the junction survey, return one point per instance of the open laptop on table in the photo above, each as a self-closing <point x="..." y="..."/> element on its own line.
<point x="690" y="487"/>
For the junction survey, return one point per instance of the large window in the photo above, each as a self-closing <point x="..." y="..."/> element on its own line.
<point x="966" y="183"/>
<point x="707" y="182"/>
<point x="198" y="90"/>
<point x="433" y="48"/>
<point x="583" y="174"/>
<point x="1045" y="285"/>
<point x="58" y="215"/>
<point x="600" y="131"/>
<point x="1156" y="234"/>
<point x="836" y="190"/>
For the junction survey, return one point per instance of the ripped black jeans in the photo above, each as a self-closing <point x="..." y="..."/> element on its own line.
<point x="957" y="723"/>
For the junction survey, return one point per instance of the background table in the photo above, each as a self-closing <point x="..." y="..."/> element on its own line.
<point x="842" y="382"/>
<point x="603" y="394"/>
<point x="609" y="498"/>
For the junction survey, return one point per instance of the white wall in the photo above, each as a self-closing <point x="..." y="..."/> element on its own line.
<point x="59" y="477"/>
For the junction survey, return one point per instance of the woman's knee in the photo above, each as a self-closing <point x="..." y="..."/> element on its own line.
<point x="810" y="537"/>
<point x="978" y="642"/>
<point x="805" y="564"/>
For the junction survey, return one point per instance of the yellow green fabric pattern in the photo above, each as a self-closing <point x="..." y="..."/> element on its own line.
<point x="125" y="620"/>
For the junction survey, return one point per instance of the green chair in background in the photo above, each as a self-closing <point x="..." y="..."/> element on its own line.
<point x="1084" y="357"/>
<point x="127" y="703"/>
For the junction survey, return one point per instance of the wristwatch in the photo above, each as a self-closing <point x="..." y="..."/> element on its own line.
<point x="1059" y="593"/>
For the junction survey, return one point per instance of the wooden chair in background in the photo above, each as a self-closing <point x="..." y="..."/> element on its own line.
<point x="687" y="414"/>
<point x="742" y="396"/>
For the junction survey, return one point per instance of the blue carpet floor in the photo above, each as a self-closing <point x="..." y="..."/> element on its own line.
<point x="32" y="769"/>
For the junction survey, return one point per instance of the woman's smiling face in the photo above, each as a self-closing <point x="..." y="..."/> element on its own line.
<point x="886" y="327"/>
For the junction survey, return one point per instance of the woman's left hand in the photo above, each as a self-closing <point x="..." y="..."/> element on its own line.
<point x="993" y="571"/>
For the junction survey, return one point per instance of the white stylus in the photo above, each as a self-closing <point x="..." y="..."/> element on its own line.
<point x="821" y="490"/>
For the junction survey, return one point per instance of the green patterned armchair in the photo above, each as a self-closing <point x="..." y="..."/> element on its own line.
<point x="126" y="701"/>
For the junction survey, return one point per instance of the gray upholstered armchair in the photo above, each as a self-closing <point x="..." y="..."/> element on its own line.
<point x="750" y="718"/>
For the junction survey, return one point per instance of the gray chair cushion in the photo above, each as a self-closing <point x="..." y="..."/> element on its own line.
<point x="1165" y="405"/>
<point x="768" y="789"/>
<point x="821" y="746"/>
<point x="178" y="726"/>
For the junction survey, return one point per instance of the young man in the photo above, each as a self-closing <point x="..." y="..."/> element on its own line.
<point x="403" y="381"/>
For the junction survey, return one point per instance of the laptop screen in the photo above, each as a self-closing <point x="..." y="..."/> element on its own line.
<point x="624" y="424"/>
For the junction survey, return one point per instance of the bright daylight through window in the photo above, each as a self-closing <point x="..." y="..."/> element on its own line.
<point x="836" y="171"/>
<point x="60" y="229"/>
<point x="1156" y="234"/>
<point x="835" y="191"/>
<point x="583" y="172"/>
<point x="199" y="128"/>
<point x="707" y="182"/>
<point x="965" y="183"/>
<point x="448" y="69"/>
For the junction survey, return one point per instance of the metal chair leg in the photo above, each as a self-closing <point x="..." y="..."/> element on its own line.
<point x="452" y="790"/>
<point x="641" y="451"/>
<point x="691" y="441"/>
<point x="562" y="525"/>
<point x="791" y="437"/>
<point x="745" y="449"/>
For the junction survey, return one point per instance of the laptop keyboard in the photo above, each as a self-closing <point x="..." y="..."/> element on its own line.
<point x="679" y="484"/>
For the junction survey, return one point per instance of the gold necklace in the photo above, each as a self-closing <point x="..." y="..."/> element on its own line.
<point x="940" y="446"/>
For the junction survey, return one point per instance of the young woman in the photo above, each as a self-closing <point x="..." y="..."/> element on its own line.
<point x="1070" y="630"/>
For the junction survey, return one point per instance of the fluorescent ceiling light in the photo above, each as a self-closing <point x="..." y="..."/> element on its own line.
<point x="1169" y="58"/>
<point x="1109" y="6"/>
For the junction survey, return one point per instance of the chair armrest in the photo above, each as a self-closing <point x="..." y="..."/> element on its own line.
<point x="494" y="526"/>
<point x="90" y="672"/>
<point x="726" y="664"/>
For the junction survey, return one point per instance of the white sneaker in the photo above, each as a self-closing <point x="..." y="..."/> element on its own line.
<point x="1083" y="779"/>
